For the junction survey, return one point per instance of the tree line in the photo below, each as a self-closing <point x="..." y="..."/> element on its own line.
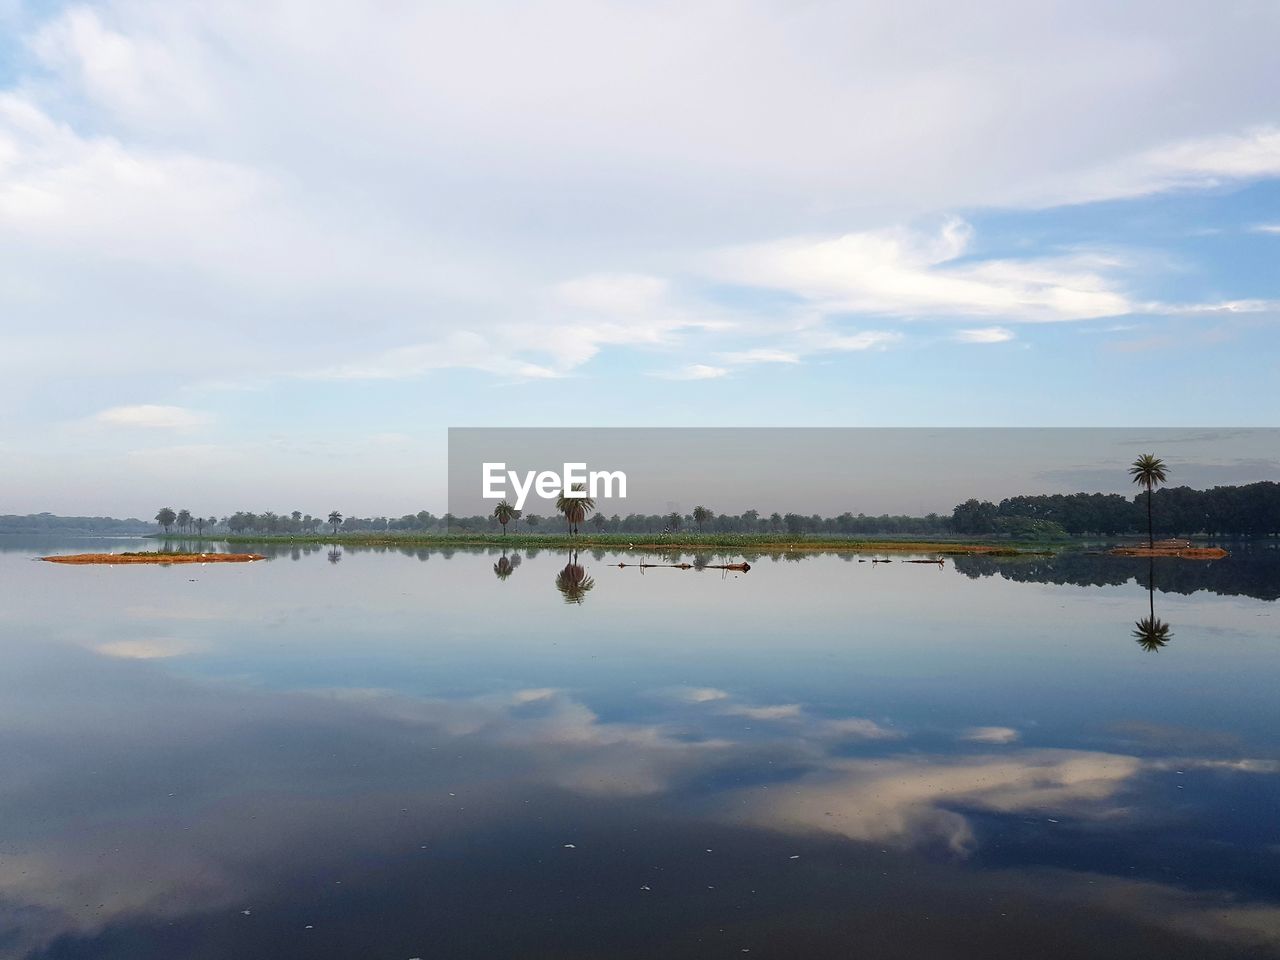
<point x="1235" y="512"/>
<point x="1247" y="511"/>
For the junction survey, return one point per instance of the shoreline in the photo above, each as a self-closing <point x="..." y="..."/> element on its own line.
<point x="713" y="542"/>
<point x="154" y="558"/>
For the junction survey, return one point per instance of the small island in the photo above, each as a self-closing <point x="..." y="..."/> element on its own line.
<point x="156" y="556"/>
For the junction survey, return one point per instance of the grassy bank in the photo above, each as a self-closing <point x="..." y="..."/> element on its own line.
<point x="625" y="541"/>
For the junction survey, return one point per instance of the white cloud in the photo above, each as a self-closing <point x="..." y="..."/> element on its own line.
<point x="759" y="355"/>
<point x="1198" y="163"/>
<point x="860" y="728"/>
<point x="694" y="371"/>
<point x="914" y="273"/>
<point x="152" y="416"/>
<point x="781" y="711"/>
<point x="613" y="293"/>
<point x="157" y="648"/>
<point x="909" y="800"/>
<point x="697" y="694"/>
<point x="985" y="335"/>
<point x="990" y="735"/>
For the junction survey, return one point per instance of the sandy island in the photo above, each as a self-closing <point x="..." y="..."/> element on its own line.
<point x="154" y="557"/>
<point x="1185" y="553"/>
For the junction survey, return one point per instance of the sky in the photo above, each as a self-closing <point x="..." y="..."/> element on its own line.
<point x="262" y="255"/>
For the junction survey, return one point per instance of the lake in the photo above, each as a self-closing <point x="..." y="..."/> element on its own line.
<point x="400" y="754"/>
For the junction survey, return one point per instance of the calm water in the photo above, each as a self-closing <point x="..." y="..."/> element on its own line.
<point x="393" y="754"/>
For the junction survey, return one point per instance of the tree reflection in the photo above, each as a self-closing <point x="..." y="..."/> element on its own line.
<point x="1151" y="633"/>
<point x="505" y="566"/>
<point x="573" y="581"/>
<point x="335" y="554"/>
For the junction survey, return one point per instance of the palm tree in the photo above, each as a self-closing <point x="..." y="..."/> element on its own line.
<point x="673" y="521"/>
<point x="165" y="518"/>
<point x="335" y="518"/>
<point x="1148" y="471"/>
<point x="504" y="513"/>
<point x="575" y="508"/>
<point x="184" y="519"/>
<point x="573" y="582"/>
<point x="701" y="515"/>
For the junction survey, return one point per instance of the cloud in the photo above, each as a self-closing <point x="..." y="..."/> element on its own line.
<point x="152" y="416"/>
<point x="155" y="648"/>
<point x="990" y="735"/>
<point x="985" y="335"/>
<point x="907" y="800"/>
<point x="781" y="711"/>
<point x="697" y="694"/>
<point x="759" y="355"/>
<point x="860" y="728"/>
<point x="1267" y="228"/>
<point x="694" y="371"/>
<point x="917" y="273"/>
<point x="462" y="350"/>
<point x="1192" y="164"/>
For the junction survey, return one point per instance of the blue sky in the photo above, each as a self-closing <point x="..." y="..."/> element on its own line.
<point x="263" y="255"/>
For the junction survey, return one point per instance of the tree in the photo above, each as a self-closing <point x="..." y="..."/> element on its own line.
<point x="335" y="518"/>
<point x="1149" y="471"/>
<point x="701" y="515"/>
<point x="575" y="505"/>
<point x="532" y="520"/>
<point x="165" y="518"/>
<point x="200" y="526"/>
<point x="673" y="520"/>
<point x="504" y="513"/>
<point x="184" y="519"/>
<point x="599" y="522"/>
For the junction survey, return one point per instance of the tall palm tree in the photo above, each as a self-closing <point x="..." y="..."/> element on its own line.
<point x="574" y="508"/>
<point x="701" y="515"/>
<point x="504" y="513"/>
<point x="1149" y="471"/>
<point x="165" y="518"/>
<point x="184" y="519"/>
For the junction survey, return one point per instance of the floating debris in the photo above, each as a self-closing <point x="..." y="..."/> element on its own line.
<point x="570" y="846"/>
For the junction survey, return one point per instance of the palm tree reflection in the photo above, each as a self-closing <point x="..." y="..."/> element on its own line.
<point x="505" y="566"/>
<point x="1151" y="633"/>
<point x="335" y="555"/>
<point x="573" y="581"/>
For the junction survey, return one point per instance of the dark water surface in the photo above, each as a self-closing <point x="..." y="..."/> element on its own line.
<point x="387" y="754"/>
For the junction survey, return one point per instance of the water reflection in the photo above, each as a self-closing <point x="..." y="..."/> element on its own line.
<point x="1252" y="570"/>
<point x="505" y="566"/>
<point x="573" y="582"/>
<point x="1150" y="632"/>
<point x="245" y="764"/>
